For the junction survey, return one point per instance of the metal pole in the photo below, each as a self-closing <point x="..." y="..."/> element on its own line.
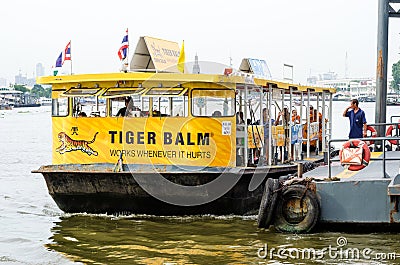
<point x="308" y="122"/>
<point x="381" y="68"/>
<point x="269" y="125"/>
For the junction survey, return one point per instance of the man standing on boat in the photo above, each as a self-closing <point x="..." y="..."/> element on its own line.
<point x="358" y="123"/>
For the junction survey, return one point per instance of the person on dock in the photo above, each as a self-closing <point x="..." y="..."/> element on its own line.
<point x="358" y="122"/>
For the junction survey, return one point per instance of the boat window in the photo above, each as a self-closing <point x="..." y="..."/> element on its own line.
<point x="139" y="105"/>
<point x="114" y="92"/>
<point x="213" y="103"/>
<point x="89" y="107"/>
<point x="81" y="91"/>
<point x="180" y="106"/>
<point x="59" y="107"/>
<point x="165" y="91"/>
<point x="170" y="106"/>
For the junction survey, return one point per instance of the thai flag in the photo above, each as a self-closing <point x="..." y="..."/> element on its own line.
<point x="67" y="52"/>
<point x="59" y="61"/>
<point x="123" y="51"/>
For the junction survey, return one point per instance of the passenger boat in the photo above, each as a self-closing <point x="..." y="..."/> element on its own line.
<point x="189" y="144"/>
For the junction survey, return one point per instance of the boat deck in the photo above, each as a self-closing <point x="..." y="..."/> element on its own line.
<point x="373" y="171"/>
<point x="364" y="197"/>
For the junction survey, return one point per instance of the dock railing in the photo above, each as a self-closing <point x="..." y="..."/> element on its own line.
<point x="375" y="139"/>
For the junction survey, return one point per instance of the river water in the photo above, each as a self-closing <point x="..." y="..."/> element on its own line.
<point x="35" y="231"/>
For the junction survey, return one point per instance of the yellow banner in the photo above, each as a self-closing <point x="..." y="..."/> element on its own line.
<point x="255" y="134"/>
<point x="164" y="141"/>
<point x="278" y="135"/>
<point x="314" y="129"/>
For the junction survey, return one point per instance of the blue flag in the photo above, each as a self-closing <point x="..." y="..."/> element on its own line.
<point x="59" y="61"/>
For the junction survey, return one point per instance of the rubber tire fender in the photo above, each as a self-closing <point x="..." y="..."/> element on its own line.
<point x="297" y="192"/>
<point x="268" y="203"/>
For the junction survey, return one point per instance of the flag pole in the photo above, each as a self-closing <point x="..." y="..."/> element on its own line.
<point x="127" y="52"/>
<point x="70" y="46"/>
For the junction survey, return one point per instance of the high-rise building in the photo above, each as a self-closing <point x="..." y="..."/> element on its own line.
<point x="39" y="70"/>
<point x="20" y="80"/>
<point x="3" y="82"/>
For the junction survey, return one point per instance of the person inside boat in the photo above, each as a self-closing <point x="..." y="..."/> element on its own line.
<point x="295" y="117"/>
<point x="82" y="114"/>
<point x="265" y="124"/>
<point x="217" y="113"/>
<point x="239" y="117"/>
<point x="285" y="122"/>
<point x="285" y="118"/>
<point x="358" y="122"/>
<point x="123" y="112"/>
<point x="314" y="113"/>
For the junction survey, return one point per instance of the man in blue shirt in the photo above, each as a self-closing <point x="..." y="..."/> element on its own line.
<point x="358" y="123"/>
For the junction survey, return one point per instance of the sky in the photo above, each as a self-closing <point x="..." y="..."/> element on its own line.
<point x="312" y="35"/>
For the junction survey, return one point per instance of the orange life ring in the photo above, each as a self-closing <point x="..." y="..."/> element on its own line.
<point x="364" y="157"/>
<point x="389" y="133"/>
<point x="373" y="134"/>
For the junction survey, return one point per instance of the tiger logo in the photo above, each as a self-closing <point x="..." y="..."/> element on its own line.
<point x="69" y="145"/>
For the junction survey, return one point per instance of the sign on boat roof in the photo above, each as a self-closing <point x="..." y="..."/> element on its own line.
<point x="256" y="67"/>
<point x="156" y="55"/>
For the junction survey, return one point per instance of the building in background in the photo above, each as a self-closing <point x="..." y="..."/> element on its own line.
<point x="24" y="80"/>
<point x="362" y="88"/>
<point x="39" y="70"/>
<point x="3" y="82"/>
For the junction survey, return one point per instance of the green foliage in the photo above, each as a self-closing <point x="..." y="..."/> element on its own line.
<point x="20" y="88"/>
<point x="39" y="91"/>
<point x="396" y="76"/>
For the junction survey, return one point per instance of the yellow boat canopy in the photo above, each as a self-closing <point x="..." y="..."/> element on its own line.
<point x="147" y="79"/>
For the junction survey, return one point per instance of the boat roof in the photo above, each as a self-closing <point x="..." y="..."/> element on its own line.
<point x="244" y="79"/>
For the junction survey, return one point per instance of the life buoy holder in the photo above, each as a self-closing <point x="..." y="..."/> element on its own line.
<point x="389" y="133"/>
<point x="373" y="134"/>
<point x="268" y="202"/>
<point x="363" y="157"/>
<point x="297" y="210"/>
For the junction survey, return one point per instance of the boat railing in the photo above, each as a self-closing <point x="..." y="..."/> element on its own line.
<point x="395" y="116"/>
<point x="394" y="126"/>
<point x="383" y="158"/>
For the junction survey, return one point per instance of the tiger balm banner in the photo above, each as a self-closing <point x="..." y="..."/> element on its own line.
<point x="255" y="134"/>
<point x="165" y="141"/>
<point x="314" y="130"/>
<point x="278" y="135"/>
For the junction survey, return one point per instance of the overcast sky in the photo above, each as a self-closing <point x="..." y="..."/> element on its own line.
<point x="311" y="35"/>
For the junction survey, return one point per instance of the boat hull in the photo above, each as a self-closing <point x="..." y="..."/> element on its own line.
<point x="111" y="192"/>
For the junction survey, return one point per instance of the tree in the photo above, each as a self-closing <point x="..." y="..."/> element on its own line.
<point x="39" y="91"/>
<point x="396" y="76"/>
<point x="21" y="88"/>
